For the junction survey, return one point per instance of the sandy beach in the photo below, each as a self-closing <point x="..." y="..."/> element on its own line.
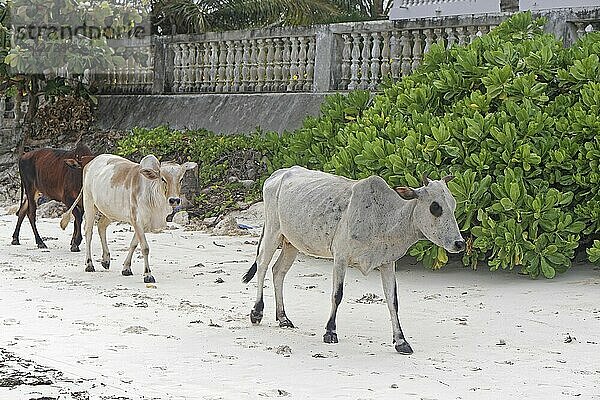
<point x="68" y="334"/>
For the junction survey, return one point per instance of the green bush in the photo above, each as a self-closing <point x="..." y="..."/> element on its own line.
<point x="514" y="116"/>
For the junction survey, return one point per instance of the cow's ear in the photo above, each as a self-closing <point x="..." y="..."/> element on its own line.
<point x="71" y="162"/>
<point x="189" y="165"/>
<point x="406" y="193"/>
<point x="150" y="173"/>
<point x="447" y="178"/>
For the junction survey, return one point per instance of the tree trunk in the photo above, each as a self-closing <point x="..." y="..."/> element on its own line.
<point x="377" y="9"/>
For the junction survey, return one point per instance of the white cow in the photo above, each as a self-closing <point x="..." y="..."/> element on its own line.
<point x="140" y="194"/>
<point x="365" y="223"/>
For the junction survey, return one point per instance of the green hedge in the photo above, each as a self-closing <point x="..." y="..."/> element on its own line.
<point x="514" y="116"/>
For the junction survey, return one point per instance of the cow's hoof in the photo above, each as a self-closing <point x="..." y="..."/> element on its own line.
<point x="106" y="264"/>
<point x="285" y="323"/>
<point x="90" y="268"/>
<point x="330" y="337"/>
<point x="42" y="245"/>
<point x="149" y="279"/>
<point x="15" y="241"/>
<point x="127" y="272"/>
<point x="256" y="317"/>
<point x="75" y="248"/>
<point x="403" y="348"/>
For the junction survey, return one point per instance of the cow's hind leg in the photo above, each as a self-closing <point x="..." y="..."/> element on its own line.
<point x="90" y="214"/>
<point x="390" y="289"/>
<point x="280" y="268"/>
<point x="21" y="216"/>
<point x="103" y="223"/>
<point x="127" y="264"/>
<point x="77" y="238"/>
<point x="267" y="248"/>
<point x="339" y="272"/>
<point x="31" y="214"/>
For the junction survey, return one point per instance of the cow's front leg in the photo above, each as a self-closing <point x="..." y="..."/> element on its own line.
<point x="139" y="232"/>
<point x="127" y="264"/>
<point x="339" y="272"/>
<point x="388" y="278"/>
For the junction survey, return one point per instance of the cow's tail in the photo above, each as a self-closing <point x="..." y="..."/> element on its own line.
<point x="66" y="217"/>
<point x="252" y="271"/>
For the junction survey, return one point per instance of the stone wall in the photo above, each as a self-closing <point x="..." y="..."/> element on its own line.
<point x="221" y="113"/>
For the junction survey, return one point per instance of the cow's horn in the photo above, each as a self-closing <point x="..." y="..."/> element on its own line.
<point x="425" y="180"/>
<point x="448" y="178"/>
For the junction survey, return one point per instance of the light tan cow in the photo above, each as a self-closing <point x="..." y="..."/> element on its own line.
<point x="142" y="195"/>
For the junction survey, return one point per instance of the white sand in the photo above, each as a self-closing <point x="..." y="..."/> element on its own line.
<point x="113" y="337"/>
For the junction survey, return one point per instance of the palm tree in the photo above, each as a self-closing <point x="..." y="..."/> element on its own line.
<point x="197" y="16"/>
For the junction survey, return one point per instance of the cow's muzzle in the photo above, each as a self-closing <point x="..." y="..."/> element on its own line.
<point x="459" y="246"/>
<point x="174" y="201"/>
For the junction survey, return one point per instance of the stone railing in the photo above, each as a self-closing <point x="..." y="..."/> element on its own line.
<point x="310" y="59"/>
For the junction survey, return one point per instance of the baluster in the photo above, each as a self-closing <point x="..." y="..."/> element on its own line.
<point x="176" y="69"/>
<point x="2" y="110"/>
<point x="310" y="65"/>
<point x="451" y="35"/>
<point x="237" y="66"/>
<point x="354" y="67"/>
<point x="199" y="67"/>
<point x="483" y="29"/>
<point x="222" y="68"/>
<point x="462" y="38"/>
<point x="261" y="61"/>
<point x="214" y="66"/>
<point x="417" y="52"/>
<point x="365" y="62"/>
<point x="277" y="69"/>
<point x="245" y="86"/>
<point x="186" y="62"/>
<point x="439" y="37"/>
<point x="472" y="33"/>
<point x="293" y="64"/>
<point x="346" y="61"/>
<point x="375" y="62"/>
<point x="253" y="66"/>
<point x="285" y="68"/>
<point x="428" y="41"/>
<point x="207" y="58"/>
<point x="302" y="63"/>
<point x="406" y="45"/>
<point x="149" y="71"/>
<point x="269" y="81"/>
<point x="229" y="62"/>
<point x="385" y="56"/>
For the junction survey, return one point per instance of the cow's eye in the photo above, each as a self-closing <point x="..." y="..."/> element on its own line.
<point x="435" y="209"/>
<point x="163" y="179"/>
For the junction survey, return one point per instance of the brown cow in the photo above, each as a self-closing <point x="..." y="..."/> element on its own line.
<point x="57" y="174"/>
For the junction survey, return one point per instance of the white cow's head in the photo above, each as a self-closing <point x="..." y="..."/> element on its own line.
<point x="434" y="213"/>
<point x="168" y="177"/>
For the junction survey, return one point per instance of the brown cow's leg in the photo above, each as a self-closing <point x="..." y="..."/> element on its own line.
<point x="31" y="214"/>
<point x="77" y="238"/>
<point x="21" y="216"/>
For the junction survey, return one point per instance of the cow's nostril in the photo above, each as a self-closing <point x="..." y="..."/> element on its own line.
<point x="174" y="201"/>
<point x="460" y="245"/>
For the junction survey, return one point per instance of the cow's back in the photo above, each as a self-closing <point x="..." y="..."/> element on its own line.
<point x="308" y="206"/>
<point x="109" y="181"/>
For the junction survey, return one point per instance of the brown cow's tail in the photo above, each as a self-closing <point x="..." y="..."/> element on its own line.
<point x="66" y="217"/>
<point x="252" y="271"/>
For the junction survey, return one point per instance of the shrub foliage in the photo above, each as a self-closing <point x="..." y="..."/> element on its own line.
<point x="514" y="116"/>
